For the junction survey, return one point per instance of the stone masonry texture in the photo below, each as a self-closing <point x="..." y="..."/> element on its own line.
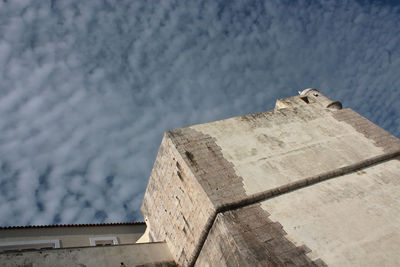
<point x="202" y="158"/>
<point x="207" y="179"/>
<point x="247" y="237"/>
<point x="175" y="200"/>
<point x="381" y="137"/>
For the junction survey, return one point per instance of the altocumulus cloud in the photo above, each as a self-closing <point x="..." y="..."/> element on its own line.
<point x="88" y="87"/>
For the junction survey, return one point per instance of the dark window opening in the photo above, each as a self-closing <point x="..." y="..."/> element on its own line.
<point x="104" y="243"/>
<point x="305" y="99"/>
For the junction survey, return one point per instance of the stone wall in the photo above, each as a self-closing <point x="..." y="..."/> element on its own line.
<point x="380" y="137"/>
<point x="352" y="220"/>
<point x="247" y="237"/>
<point x="175" y="205"/>
<point x="153" y="254"/>
<point x="204" y="188"/>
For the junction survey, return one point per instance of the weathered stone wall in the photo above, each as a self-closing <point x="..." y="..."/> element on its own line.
<point x="205" y="176"/>
<point x="152" y="254"/>
<point x="274" y="148"/>
<point x="247" y="237"/>
<point x="175" y="205"/>
<point x="380" y="137"/>
<point x="352" y="220"/>
<point x="214" y="173"/>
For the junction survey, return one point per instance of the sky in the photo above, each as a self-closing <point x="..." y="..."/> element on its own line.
<point x="87" y="88"/>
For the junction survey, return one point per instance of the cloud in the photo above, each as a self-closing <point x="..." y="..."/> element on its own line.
<point x="88" y="87"/>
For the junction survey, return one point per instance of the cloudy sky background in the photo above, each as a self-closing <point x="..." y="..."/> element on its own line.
<point x="87" y="88"/>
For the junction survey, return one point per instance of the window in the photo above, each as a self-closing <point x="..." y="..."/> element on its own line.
<point x="305" y="99"/>
<point x="103" y="241"/>
<point x="33" y="244"/>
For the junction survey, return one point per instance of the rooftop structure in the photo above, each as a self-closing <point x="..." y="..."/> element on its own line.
<point x="308" y="183"/>
<point x="70" y="235"/>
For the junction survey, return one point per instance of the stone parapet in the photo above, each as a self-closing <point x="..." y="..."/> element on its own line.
<point x="151" y="254"/>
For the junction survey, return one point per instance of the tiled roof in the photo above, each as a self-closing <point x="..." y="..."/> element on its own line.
<point x="71" y="225"/>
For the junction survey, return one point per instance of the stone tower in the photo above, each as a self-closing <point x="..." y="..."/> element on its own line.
<point x="308" y="183"/>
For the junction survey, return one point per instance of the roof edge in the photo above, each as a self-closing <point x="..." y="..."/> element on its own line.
<point x="71" y="225"/>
